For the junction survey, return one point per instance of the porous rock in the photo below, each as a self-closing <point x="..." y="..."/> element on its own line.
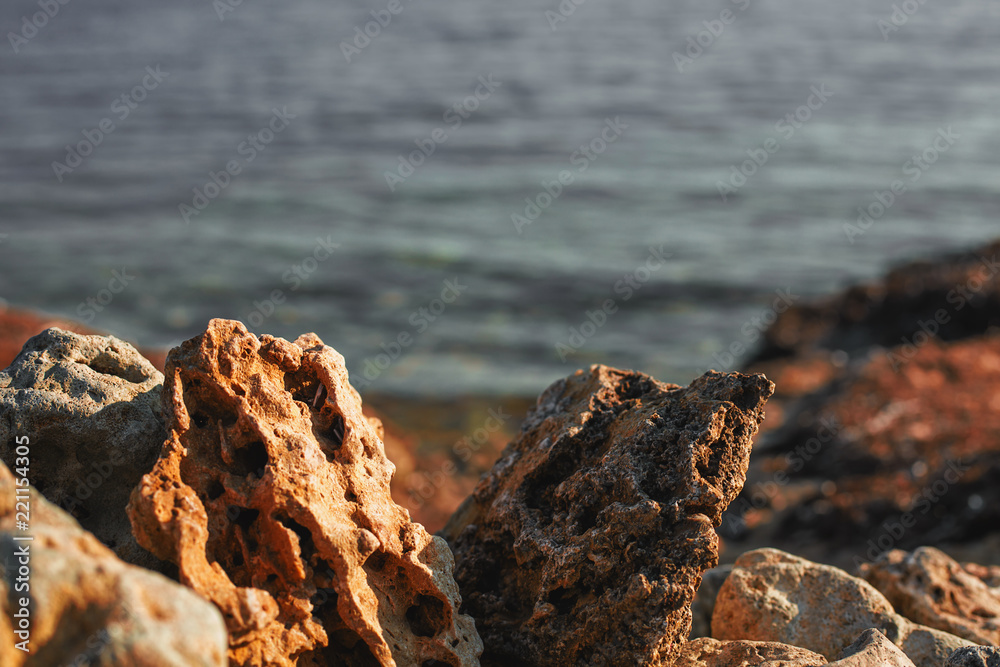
<point x="774" y="596"/>
<point x="86" y="606"/>
<point x="90" y="407"/>
<point x="586" y="541"/>
<point x="872" y="649"/>
<point x="928" y="587"/>
<point x="272" y="496"/>
<point x="707" y="652"/>
<point x="975" y="656"/>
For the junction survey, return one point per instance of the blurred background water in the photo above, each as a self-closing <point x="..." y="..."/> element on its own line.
<point x="323" y="177"/>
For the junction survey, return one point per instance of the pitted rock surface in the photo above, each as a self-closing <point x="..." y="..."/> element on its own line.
<point x="90" y="406"/>
<point x="930" y="588"/>
<point x="707" y="652"/>
<point x="586" y="541"/>
<point x="272" y="496"/>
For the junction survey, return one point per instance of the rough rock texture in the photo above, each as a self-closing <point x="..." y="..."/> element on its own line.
<point x="704" y="600"/>
<point x="90" y="406"/>
<point x="872" y="649"/>
<point x="88" y="607"/>
<point x="930" y="588"/>
<point x="708" y="652"/>
<point x="586" y="541"/>
<point x="774" y="596"/>
<point x="272" y="496"/>
<point x="975" y="656"/>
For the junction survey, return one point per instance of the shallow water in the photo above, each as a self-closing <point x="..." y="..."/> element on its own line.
<point x="323" y="176"/>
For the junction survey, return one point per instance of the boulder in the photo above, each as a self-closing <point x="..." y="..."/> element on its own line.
<point x="90" y="406"/>
<point x="272" y="496"/>
<point x="930" y="588"/>
<point x="872" y="649"/>
<point x="774" y="596"/>
<point x="707" y="652"/>
<point x="85" y="606"/>
<point x="586" y="541"/>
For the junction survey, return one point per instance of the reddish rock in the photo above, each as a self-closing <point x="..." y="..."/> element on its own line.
<point x="272" y="496"/>
<point x="586" y="541"/>
<point x="930" y="588"/>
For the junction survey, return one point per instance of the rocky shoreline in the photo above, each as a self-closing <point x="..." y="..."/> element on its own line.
<point x="235" y="504"/>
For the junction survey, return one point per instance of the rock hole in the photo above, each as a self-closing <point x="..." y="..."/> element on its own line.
<point x="350" y="496"/>
<point x="251" y="459"/>
<point x="983" y="613"/>
<point x="200" y="419"/>
<point x="563" y="600"/>
<point x="244" y="516"/>
<point x="106" y="364"/>
<point x="426" y="617"/>
<point x="377" y="561"/>
<point x="237" y="559"/>
<point x="215" y="490"/>
<point x="332" y="432"/>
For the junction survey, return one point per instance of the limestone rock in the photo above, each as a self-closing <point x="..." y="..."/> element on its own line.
<point x="930" y="588"/>
<point x="272" y="496"/>
<point x="90" y="406"/>
<point x="704" y="600"/>
<point x="707" y="652"/>
<point x="774" y="596"/>
<point x="872" y="649"/>
<point x="87" y="606"/>
<point x="975" y="656"/>
<point x="586" y="541"/>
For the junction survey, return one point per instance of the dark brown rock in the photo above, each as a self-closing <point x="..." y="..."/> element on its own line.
<point x="272" y="496"/>
<point x="975" y="656"/>
<point x="586" y="541"/>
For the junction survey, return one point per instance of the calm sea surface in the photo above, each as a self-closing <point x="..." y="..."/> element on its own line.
<point x="308" y="235"/>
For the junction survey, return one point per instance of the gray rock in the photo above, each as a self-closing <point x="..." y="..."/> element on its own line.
<point x="975" y="656"/>
<point x="85" y="606"/>
<point x="89" y="406"/>
<point x="872" y="649"/>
